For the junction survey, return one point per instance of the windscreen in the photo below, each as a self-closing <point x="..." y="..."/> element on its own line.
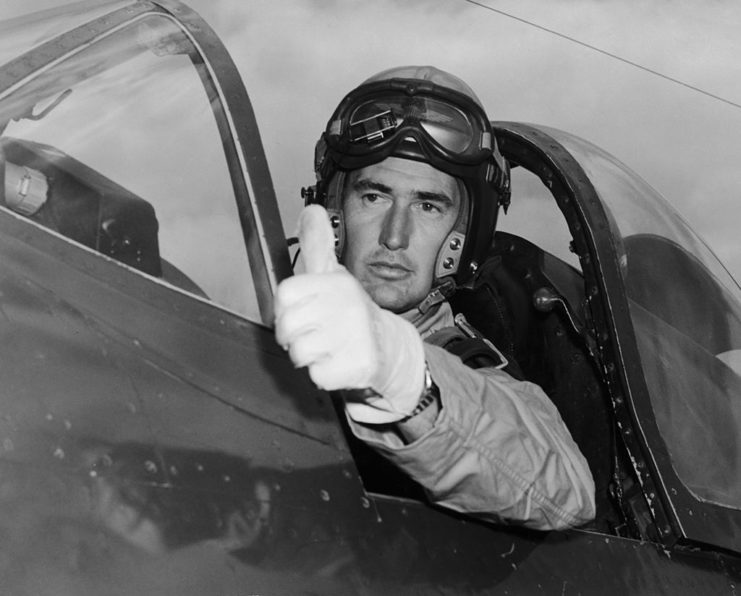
<point x="117" y="147"/>
<point x="22" y="33"/>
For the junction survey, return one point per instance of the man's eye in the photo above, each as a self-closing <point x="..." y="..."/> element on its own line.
<point x="371" y="197"/>
<point x="430" y="208"/>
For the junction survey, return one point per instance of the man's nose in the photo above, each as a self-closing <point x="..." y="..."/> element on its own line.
<point x="396" y="229"/>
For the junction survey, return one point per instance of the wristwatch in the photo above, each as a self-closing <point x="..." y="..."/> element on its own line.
<point x="430" y="394"/>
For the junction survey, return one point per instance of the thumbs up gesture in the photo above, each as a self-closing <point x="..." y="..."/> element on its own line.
<point x="329" y="324"/>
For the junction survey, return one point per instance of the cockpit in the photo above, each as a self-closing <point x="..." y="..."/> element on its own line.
<point x="597" y="290"/>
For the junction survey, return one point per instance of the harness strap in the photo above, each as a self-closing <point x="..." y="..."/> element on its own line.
<point x="469" y="345"/>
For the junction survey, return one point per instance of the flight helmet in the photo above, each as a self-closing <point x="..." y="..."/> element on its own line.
<point x="428" y="115"/>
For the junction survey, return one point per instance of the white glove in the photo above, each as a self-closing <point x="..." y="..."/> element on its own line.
<point x="328" y="323"/>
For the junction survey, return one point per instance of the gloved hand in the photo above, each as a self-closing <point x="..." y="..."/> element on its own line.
<point x="328" y="323"/>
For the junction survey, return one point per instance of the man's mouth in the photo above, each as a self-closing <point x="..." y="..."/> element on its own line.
<point x="389" y="271"/>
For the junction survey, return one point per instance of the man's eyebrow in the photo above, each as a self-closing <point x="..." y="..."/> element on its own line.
<point x="365" y="184"/>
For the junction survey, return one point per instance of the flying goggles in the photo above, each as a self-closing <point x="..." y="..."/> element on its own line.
<point x="415" y="119"/>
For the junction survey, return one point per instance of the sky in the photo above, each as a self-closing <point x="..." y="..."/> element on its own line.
<point x="299" y="57"/>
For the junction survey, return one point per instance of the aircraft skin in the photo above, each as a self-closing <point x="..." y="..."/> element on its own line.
<point x="154" y="440"/>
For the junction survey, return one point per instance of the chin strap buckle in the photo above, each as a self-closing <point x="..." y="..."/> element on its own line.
<point x="437" y="295"/>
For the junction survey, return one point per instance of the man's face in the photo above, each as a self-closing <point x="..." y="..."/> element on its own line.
<point x="397" y="214"/>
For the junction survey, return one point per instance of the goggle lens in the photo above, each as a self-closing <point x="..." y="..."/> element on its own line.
<point x="377" y="120"/>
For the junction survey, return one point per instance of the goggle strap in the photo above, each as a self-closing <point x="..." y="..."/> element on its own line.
<point x="486" y="140"/>
<point x="335" y="127"/>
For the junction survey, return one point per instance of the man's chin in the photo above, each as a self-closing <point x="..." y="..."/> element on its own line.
<point x="396" y="302"/>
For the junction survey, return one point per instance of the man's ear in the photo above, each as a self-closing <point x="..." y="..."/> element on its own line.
<point x="338" y="231"/>
<point x="334" y="200"/>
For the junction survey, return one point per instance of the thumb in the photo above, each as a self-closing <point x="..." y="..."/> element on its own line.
<point x="317" y="240"/>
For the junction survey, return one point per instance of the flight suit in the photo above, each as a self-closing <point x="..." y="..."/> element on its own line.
<point x="498" y="449"/>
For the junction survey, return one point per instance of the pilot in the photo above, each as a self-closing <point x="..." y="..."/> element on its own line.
<point x="409" y="182"/>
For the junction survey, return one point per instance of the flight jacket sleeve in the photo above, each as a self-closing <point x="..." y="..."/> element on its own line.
<point x="498" y="449"/>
